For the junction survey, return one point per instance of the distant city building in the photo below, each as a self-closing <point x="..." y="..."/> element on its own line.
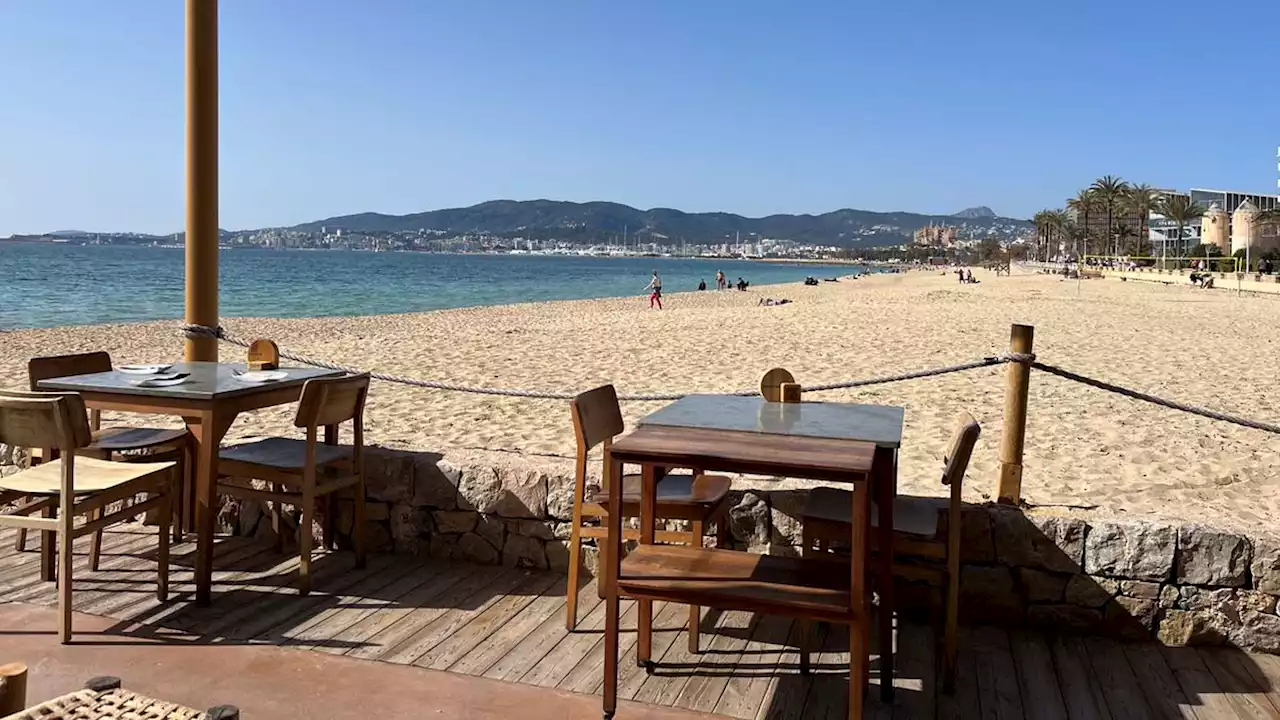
<point x="936" y="235"/>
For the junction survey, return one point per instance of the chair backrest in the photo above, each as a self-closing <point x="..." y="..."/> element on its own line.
<point x="597" y="417"/>
<point x="47" y="368"/>
<point x="44" y="420"/>
<point x="963" y="438"/>
<point x="332" y="401"/>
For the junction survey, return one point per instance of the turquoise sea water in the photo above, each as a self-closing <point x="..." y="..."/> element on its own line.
<point x="45" y="285"/>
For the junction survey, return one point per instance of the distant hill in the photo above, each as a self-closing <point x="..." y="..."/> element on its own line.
<point x="973" y="213"/>
<point x="593" y="221"/>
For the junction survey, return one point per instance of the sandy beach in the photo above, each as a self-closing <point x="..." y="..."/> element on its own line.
<point x="1087" y="451"/>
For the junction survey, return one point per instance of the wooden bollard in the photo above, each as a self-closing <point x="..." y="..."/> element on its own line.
<point x="13" y="689"/>
<point x="1018" y="378"/>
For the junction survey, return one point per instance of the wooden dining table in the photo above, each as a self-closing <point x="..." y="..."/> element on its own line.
<point x="208" y="403"/>
<point x="840" y="443"/>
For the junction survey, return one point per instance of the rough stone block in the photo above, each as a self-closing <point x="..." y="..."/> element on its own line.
<point x="1041" y="542"/>
<point x="1259" y="632"/>
<point x="473" y="548"/>
<point x="1194" y="598"/>
<point x="1064" y="617"/>
<point x="491" y="529"/>
<point x="479" y="489"/>
<point x="1140" y="589"/>
<point x="1209" y="557"/>
<point x="435" y="483"/>
<point x="521" y="551"/>
<point x="1091" y="592"/>
<point x="976" y="542"/>
<point x="524" y="495"/>
<point x="410" y="528"/>
<point x="442" y="546"/>
<point x="376" y="537"/>
<point x="1170" y="597"/>
<point x="1266" y="565"/>
<point x="988" y="593"/>
<point x="785" y="508"/>
<point x="749" y="520"/>
<point x="540" y="529"/>
<point x="560" y="489"/>
<point x="1256" y="601"/>
<point x="557" y="556"/>
<point x="376" y="511"/>
<point x="1186" y="627"/>
<point x="1041" y="586"/>
<point x="389" y="474"/>
<point x="1131" y="618"/>
<point x="455" y="521"/>
<point x="1132" y="550"/>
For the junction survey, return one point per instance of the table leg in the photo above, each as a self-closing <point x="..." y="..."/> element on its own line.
<point x="612" y="565"/>
<point x="644" y="608"/>
<point x="885" y="472"/>
<point x="858" y="627"/>
<point x="207" y="430"/>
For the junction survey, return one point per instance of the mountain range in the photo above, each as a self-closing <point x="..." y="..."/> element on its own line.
<point x="592" y="221"/>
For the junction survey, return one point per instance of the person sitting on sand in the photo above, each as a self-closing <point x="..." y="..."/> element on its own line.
<point x="655" y="285"/>
<point x="720" y="281"/>
<point x="742" y="284"/>
<point x="702" y="285"/>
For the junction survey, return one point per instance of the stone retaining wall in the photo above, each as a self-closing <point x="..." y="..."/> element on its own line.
<point x="1184" y="585"/>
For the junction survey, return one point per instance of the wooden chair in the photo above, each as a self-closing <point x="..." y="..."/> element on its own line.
<point x="76" y="485"/>
<point x="916" y="533"/>
<point x="697" y="498"/>
<point x="108" y="443"/>
<point x="302" y="471"/>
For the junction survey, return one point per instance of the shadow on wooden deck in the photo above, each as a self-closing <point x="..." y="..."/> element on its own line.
<point x="508" y="624"/>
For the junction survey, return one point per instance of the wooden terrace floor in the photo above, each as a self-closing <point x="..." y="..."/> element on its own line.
<point x="508" y="624"/>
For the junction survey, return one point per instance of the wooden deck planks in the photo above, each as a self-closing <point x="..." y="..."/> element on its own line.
<point x="1198" y="684"/>
<point x="1164" y="695"/>
<point x="998" y="691"/>
<point x="509" y="624"/>
<point x="1120" y="687"/>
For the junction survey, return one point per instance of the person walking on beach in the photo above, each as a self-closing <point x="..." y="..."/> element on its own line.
<point x="720" y="281"/>
<point x="655" y="286"/>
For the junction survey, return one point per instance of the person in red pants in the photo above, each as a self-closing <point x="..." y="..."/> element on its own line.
<point x="655" y="290"/>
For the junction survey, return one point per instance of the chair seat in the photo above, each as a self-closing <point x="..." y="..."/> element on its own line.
<point x="673" y="489"/>
<point x="120" y="439"/>
<point x="91" y="476"/>
<point x="282" y="453"/>
<point x="911" y="515"/>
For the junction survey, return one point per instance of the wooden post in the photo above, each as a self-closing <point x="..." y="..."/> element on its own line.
<point x="1018" y="377"/>
<point x="13" y="689"/>
<point x="202" y="175"/>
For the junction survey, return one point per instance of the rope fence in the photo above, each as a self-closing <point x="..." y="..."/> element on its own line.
<point x="1027" y="359"/>
<point x="222" y="334"/>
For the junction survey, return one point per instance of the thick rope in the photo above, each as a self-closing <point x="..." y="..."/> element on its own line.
<point x="221" y="334"/>
<point x="1146" y="397"/>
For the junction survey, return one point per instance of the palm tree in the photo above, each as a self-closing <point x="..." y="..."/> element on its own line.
<point x="1110" y="191"/>
<point x="1141" y="200"/>
<point x="1059" y="221"/>
<point x="1085" y="202"/>
<point x="1124" y="233"/>
<point x="1181" y="209"/>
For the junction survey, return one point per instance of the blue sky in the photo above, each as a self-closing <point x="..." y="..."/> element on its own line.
<point x="330" y="106"/>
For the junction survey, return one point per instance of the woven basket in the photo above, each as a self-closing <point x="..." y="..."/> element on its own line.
<point x="108" y="705"/>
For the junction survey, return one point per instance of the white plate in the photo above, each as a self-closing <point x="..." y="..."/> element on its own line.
<point x="261" y="376"/>
<point x="142" y="369"/>
<point x="157" y="382"/>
